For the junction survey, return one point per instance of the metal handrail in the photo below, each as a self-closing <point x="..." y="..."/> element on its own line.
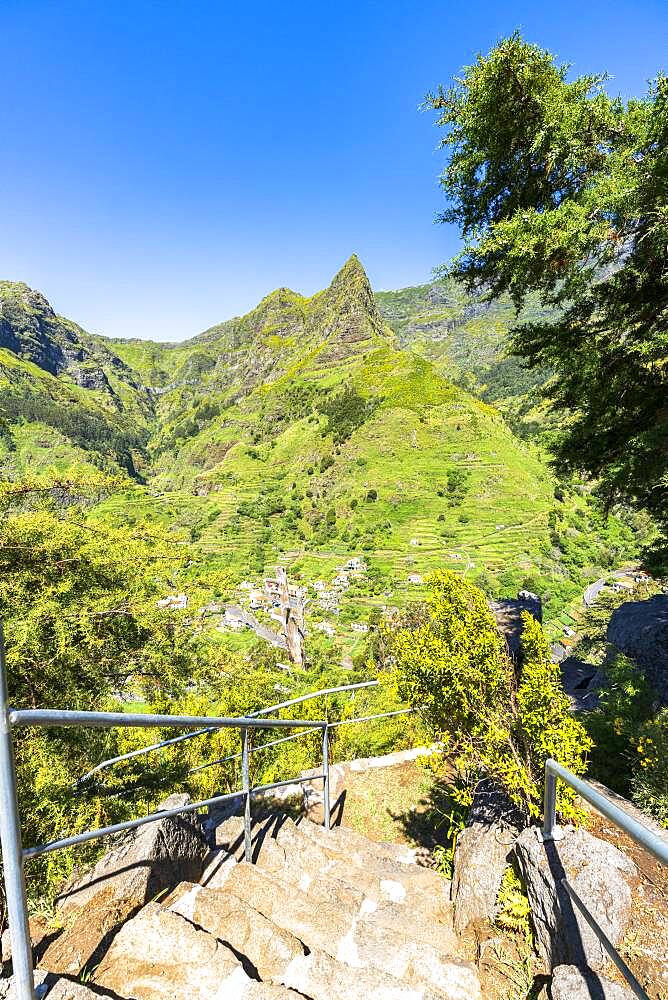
<point x="209" y="729"/>
<point x="14" y="855"/>
<point x="652" y="842"/>
<point x="296" y="736"/>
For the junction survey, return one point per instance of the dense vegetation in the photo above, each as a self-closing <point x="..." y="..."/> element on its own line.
<point x="560" y="190"/>
<point x="493" y="717"/>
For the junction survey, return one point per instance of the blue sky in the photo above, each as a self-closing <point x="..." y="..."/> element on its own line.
<point x="164" y="165"/>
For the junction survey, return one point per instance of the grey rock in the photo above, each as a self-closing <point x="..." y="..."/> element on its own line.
<point x="42" y="982"/>
<point x="508" y="614"/>
<point x="320" y="976"/>
<point x="483" y="850"/>
<point x="145" y="861"/>
<point x="158" y="955"/>
<point x="640" y="630"/>
<point x="350" y="937"/>
<point x="570" y="983"/>
<point x="268" y="948"/>
<point x="600" y="874"/>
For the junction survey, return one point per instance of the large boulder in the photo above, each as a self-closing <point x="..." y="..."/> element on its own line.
<point x="320" y="976"/>
<point x="159" y="955"/>
<point x="601" y="876"/>
<point x="88" y="933"/>
<point x="40" y="931"/>
<point x="353" y="938"/>
<point x="267" y="948"/>
<point x="42" y="982"/>
<point x="144" y="862"/>
<point x="482" y="853"/>
<point x="570" y="983"/>
<point x="640" y="630"/>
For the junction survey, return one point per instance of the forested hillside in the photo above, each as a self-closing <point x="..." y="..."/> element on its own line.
<point x="392" y="429"/>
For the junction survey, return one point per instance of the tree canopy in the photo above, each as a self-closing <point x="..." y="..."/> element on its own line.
<point x="493" y="717"/>
<point x="562" y="190"/>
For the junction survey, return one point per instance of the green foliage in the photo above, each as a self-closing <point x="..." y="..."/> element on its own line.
<point x="450" y="661"/>
<point x="79" y="612"/>
<point x="450" y="823"/>
<point x="650" y="781"/>
<point x="346" y="411"/>
<point x="90" y="431"/>
<point x="559" y="190"/>
<point x="513" y="907"/>
<point x="457" y="482"/>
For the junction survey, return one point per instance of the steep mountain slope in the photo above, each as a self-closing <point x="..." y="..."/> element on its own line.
<point x="466" y="337"/>
<point x="304" y="433"/>
<point x="65" y="397"/>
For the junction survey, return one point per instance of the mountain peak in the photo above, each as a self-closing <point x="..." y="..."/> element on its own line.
<point x="351" y="273"/>
<point x="346" y="314"/>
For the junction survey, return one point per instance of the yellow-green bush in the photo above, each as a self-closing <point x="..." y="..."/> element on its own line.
<point x="448" y="658"/>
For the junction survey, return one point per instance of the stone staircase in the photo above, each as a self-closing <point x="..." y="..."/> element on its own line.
<point x="327" y="915"/>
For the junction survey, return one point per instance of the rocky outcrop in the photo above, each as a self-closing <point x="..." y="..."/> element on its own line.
<point x="482" y="853"/>
<point x="600" y="875"/>
<point x="508" y="614"/>
<point x="159" y="955"/>
<point x="145" y="861"/>
<point x="570" y="983"/>
<point x="639" y="629"/>
<point x="31" y="329"/>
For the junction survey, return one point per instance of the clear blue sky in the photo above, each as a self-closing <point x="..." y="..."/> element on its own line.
<point x="165" y="164"/>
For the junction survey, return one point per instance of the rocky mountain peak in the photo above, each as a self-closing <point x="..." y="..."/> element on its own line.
<point x="347" y="314"/>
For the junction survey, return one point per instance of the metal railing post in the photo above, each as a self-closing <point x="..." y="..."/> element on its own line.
<point x="325" y="772"/>
<point x="245" y="777"/>
<point x="12" y="851"/>
<point x="550" y="830"/>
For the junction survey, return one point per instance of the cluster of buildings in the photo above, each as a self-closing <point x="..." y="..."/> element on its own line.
<point x="330" y="596"/>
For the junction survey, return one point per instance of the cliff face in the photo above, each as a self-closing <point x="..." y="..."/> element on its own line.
<point x="639" y="629"/>
<point x="31" y="329"/>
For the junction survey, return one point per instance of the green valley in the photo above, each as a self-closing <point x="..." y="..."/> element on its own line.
<point x="310" y="432"/>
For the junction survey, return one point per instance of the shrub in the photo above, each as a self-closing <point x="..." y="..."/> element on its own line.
<point x="650" y="782"/>
<point x="448" y="659"/>
<point x="372" y="495"/>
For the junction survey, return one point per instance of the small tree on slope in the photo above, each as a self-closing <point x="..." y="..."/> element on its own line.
<point x="449" y="659"/>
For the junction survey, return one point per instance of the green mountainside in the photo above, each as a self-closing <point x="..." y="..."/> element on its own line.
<point x="465" y="336"/>
<point x="310" y="431"/>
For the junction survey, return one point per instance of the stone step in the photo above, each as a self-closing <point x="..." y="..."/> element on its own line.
<point x="353" y="845"/>
<point x="278" y="956"/>
<point x="352" y="938"/>
<point x="159" y="955"/>
<point x="288" y="852"/>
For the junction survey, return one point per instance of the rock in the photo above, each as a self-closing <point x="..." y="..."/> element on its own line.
<point x="601" y="876"/>
<point x="159" y="955"/>
<point x="318" y="975"/>
<point x="39" y="930"/>
<point x="482" y="853"/>
<point x="85" y="939"/>
<point x="329" y="873"/>
<point x="639" y="629"/>
<point x="569" y="983"/>
<point x="351" y="938"/>
<point x="348" y="843"/>
<point x="144" y="862"/>
<point x="508" y="614"/>
<point x="66" y="990"/>
<point x="42" y="981"/>
<point x="268" y="948"/>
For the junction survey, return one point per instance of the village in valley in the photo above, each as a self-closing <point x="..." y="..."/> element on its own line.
<point x="283" y="611"/>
